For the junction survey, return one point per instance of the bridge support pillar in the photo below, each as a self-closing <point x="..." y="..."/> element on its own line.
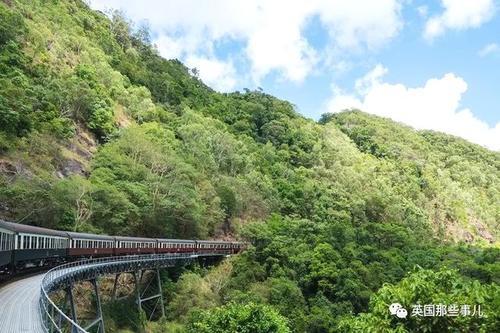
<point x="71" y="301"/>
<point x="99" y="321"/>
<point x="158" y="281"/>
<point x="115" y="286"/>
<point x="147" y="293"/>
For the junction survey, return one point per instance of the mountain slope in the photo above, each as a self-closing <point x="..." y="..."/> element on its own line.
<point x="73" y="79"/>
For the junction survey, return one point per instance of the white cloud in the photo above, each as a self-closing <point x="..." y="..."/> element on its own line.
<point x="271" y="31"/>
<point x="491" y="48"/>
<point x="423" y="11"/>
<point x="218" y="74"/>
<point x="355" y="23"/>
<point x="459" y="15"/>
<point x="436" y="105"/>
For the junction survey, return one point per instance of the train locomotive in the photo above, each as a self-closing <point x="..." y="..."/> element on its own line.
<point x="23" y="247"/>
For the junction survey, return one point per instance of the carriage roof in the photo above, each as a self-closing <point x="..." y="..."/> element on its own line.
<point x="83" y="235"/>
<point x="29" y="229"/>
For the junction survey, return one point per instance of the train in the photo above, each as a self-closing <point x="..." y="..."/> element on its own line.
<point x="23" y="247"/>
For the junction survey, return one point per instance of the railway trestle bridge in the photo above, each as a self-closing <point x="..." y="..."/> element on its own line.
<point x="63" y="318"/>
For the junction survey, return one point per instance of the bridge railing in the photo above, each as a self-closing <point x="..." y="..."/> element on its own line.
<point x="55" y="319"/>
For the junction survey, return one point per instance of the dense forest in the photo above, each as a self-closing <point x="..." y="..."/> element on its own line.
<point x="343" y="216"/>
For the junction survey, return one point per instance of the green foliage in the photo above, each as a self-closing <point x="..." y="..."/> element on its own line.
<point x="428" y="287"/>
<point x="122" y="315"/>
<point x="238" y="318"/>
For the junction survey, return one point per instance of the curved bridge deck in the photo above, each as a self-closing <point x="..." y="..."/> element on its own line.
<point x="19" y="306"/>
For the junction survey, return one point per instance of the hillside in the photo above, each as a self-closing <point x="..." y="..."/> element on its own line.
<point x="99" y="133"/>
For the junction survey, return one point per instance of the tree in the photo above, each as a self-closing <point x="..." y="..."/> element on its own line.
<point x="238" y="318"/>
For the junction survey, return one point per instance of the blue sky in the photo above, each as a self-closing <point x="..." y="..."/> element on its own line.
<point x="429" y="64"/>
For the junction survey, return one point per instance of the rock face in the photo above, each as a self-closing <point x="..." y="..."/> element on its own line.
<point x="78" y="154"/>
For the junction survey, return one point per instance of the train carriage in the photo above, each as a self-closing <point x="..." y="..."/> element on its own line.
<point x="35" y="246"/>
<point x="23" y="246"/>
<point x="6" y="248"/>
<point x="90" y="245"/>
<point x="215" y="246"/>
<point x="236" y="247"/>
<point x="134" y="245"/>
<point x="176" y="245"/>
